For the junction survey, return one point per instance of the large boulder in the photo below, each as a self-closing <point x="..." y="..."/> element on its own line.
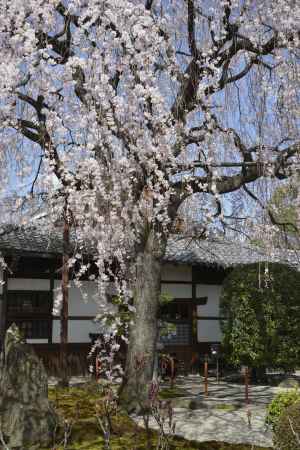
<point x="27" y="419"/>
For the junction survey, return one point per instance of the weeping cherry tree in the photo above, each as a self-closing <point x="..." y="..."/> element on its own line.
<point x="120" y="116"/>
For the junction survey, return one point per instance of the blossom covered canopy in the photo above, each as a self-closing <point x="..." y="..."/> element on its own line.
<point x="132" y="107"/>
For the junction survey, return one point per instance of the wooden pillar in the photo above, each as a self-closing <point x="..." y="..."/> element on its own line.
<point x="193" y="313"/>
<point x="3" y="309"/>
<point x="64" y="314"/>
<point x="52" y="275"/>
<point x="206" y="376"/>
<point x="247" y="385"/>
<point x="172" y="370"/>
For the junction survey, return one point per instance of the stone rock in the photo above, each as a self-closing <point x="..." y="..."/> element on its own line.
<point x="27" y="419"/>
<point x="181" y="403"/>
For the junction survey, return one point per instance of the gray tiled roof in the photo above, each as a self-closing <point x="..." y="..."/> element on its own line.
<point x="30" y="239"/>
<point x="180" y="250"/>
<point x="223" y="253"/>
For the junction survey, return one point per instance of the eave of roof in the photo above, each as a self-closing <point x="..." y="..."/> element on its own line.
<point x="180" y="249"/>
<point x="224" y="253"/>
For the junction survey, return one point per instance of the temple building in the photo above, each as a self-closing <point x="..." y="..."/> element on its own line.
<point x="192" y="277"/>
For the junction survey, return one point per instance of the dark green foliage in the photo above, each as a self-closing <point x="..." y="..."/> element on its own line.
<point x="287" y="430"/>
<point x="279" y="404"/>
<point x="261" y="303"/>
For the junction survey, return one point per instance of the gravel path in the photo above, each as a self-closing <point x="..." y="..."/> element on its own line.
<point x="223" y="415"/>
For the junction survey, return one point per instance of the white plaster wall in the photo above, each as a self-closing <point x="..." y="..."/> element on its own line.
<point x="78" y="330"/>
<point x="209" y="331"/>
<point x="78" y="306"/>
<point x="212" y="292"/>
<point x="28" y="284"/>
<point x="172" y="272"/>
<point x="177" y="290"/>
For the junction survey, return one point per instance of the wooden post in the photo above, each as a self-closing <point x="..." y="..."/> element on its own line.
<point x="52" y="275"/>
<point x="206" y="375"/>
<point x="247" y="385"/>
<point x="3" y="316"/>
<point x="247" y="400"/>
<point x="172" y="367"/>
<point x="65" y="300"/>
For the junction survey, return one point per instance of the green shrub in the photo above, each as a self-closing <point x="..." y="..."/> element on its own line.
<point x="287" y="431"/>
<point x="261" y="310"/>
<point x="279" y="404"/>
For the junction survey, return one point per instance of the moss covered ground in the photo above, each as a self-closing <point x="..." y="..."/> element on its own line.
<point x="78" y="407"/>
<point x="173" y="392"/>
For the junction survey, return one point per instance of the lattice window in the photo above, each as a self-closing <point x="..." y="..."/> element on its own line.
<point x="178" y="323"/>
<point x="180" y="335"/>
<point x="28" y="302"/>
<point x="31" y="312"/>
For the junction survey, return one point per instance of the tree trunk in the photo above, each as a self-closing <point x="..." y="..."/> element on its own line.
<point x="143" y="333"/>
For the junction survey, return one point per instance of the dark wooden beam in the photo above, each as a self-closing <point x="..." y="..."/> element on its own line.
<point x="52" y="277"/>
<point x="3" y="309"/>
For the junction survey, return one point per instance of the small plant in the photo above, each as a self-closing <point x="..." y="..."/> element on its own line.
<point x="279" y="404"/>
<point x="287" y="431"/>
<point x="105" y="408"/>
<point x="162" y="412"/>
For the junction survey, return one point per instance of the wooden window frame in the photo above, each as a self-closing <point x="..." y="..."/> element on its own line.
<point x="20" y="317"/>
<point x="190" y="305"/>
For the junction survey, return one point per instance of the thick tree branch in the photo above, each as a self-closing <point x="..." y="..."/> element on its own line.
<point x="191" y="29"/>
<point x="36" y="175"/>
<point x="37" y="104"/>
<point x="251" y="172"/>
<point x="186" y="99"/>
<point x="148" y="4"/>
